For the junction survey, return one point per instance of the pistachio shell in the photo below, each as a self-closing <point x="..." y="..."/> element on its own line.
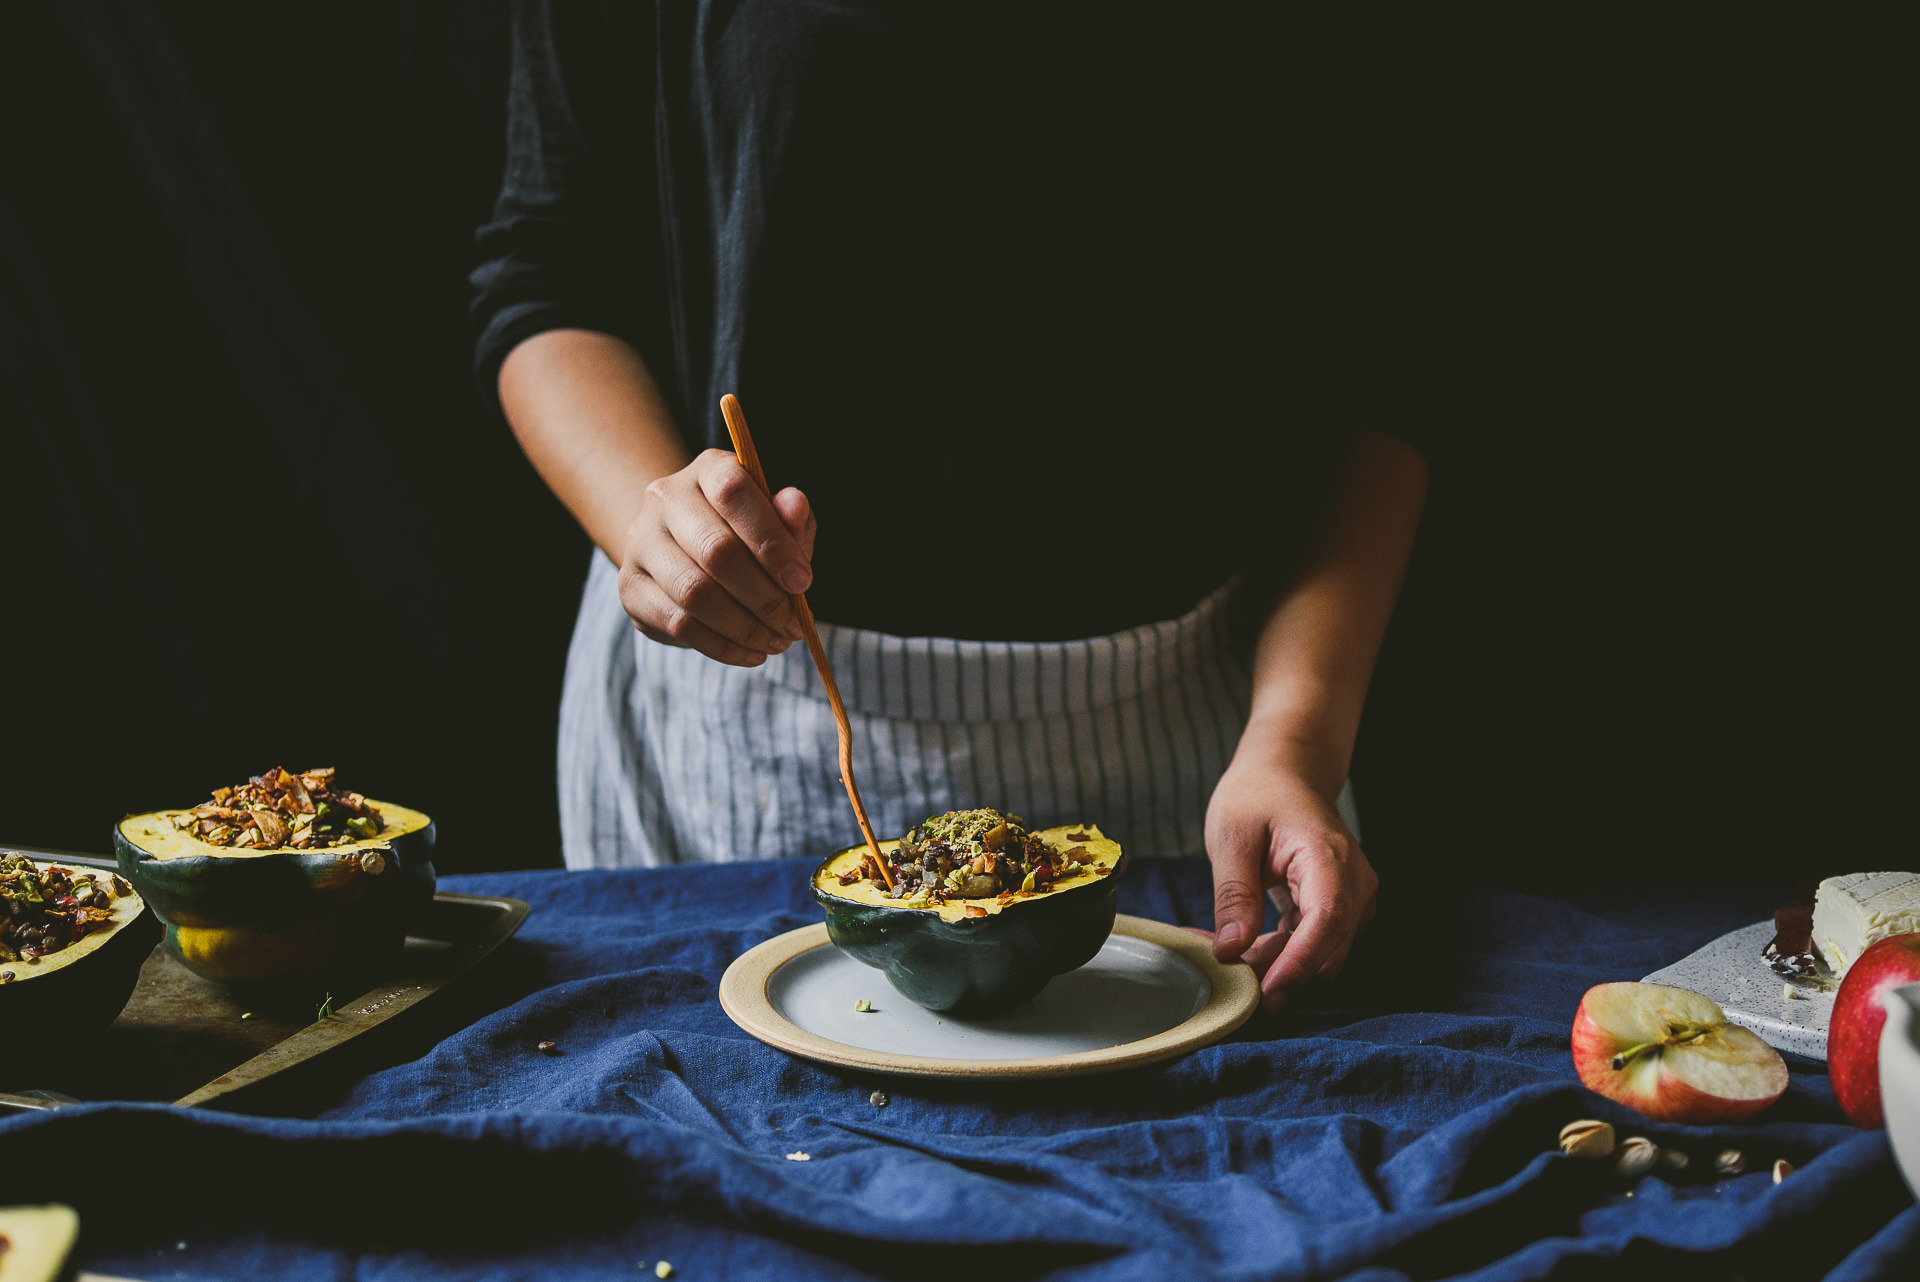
<point x="1587" y="1138"/>
<point x="1636" y="1157"/>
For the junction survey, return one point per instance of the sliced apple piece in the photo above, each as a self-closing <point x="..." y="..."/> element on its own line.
<point x="1671" y="1053"/>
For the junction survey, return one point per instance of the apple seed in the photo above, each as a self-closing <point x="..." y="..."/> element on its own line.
<point x="1677" y="1035"/>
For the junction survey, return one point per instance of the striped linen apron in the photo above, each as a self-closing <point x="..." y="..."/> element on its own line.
<point x="666" y="756"/>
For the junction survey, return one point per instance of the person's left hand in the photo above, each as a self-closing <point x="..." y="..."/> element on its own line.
<point x="1270" y="830"/>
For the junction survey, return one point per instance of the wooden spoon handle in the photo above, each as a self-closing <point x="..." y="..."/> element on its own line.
<point x="750" y="459"/>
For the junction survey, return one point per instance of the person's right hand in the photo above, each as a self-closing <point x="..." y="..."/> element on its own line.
<point x="709" y="562"/>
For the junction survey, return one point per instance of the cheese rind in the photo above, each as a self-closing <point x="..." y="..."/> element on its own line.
<point x="1853" y="912"/>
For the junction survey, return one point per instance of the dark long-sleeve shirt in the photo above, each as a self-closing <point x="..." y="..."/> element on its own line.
<point x="1012" y="292"/>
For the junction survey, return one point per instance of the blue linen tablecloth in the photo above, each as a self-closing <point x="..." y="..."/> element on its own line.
<point x="1401" y="1126"/>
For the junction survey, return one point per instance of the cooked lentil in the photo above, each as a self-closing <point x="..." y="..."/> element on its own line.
<point x="974" y="854"/>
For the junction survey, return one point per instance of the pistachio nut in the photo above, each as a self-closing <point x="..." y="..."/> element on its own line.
<point x="1730" y="1162"/>
<point x="1637" y="1155"/>
<point x="1781" y="1170"/>
<point x="1587" y="1138"/>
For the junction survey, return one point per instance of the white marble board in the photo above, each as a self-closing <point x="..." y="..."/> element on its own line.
<point x="1733" y="971"/>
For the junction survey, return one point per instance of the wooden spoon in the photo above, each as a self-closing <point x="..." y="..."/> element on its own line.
<point x="750" y="459"/>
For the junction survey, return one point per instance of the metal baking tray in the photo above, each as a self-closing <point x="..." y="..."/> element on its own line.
<point x="189" y="1041"/>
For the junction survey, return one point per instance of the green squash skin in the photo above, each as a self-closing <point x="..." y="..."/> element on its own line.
<point x="286" y="918"/>
<point x="976" y="966"/>
<point x="83" y="997"/>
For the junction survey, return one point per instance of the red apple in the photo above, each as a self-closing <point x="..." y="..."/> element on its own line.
<point x="1853" y="1034"/>
<point x="1671" y="1053"/>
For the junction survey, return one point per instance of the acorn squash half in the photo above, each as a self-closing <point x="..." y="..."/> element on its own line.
<point x="975" y="957"/>
<point x="248" y="916"/>
<point x="81" y="986"/>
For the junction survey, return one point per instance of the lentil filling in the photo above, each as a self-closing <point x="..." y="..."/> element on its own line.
<point x="45" y="908"/>
<point x="972" y="854"/>
<point x="304" y="811"/>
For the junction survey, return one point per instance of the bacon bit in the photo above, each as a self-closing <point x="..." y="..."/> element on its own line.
<point x="1076" y="855"/>
<point x="850" y="876"/>
<point x="996" y="836"/>
<point x="975" y="910"/>
<point x="1079" y="836"/>
<point x="1004" y="896"/>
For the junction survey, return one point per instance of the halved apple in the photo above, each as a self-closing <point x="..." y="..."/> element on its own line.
<point x="1671" y="1053"/>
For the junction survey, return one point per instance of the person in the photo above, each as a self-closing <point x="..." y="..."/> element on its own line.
<point x="1090" y="529"/>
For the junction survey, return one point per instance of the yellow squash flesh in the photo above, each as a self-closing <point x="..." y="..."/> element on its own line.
<point x="155" y="835"/>
<point x="38" y="1240"/>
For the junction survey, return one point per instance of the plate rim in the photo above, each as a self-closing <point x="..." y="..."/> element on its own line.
<point x="1233" y="997"/>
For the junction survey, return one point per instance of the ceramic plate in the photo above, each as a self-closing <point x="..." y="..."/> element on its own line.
<point x="1152" y="992"/>
<point x="1732" y="971"/>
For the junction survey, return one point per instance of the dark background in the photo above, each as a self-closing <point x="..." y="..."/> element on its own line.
<point x="1627" y="274"/>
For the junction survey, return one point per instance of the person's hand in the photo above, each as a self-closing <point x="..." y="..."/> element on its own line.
<point x="709" y="562"/>
<point x="1269" y="830"/>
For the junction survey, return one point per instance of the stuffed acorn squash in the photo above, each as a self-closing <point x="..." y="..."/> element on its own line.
<point x="71" y="945"/>
<point x="974" y="914"/>
<point x="284" y="878"/>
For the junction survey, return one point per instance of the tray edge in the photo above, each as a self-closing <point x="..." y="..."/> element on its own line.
<point x="388" y="998"/>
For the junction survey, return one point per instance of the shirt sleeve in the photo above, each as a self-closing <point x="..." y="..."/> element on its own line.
<point x="574" y="241"/>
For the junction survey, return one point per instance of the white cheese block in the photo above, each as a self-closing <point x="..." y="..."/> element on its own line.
<point x="1853" y="912"/>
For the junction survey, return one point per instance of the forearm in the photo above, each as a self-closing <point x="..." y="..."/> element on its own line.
<point x="593" y="422"/>
<point x="1316" y="651"/>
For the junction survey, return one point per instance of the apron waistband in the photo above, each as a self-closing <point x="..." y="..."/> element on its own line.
<point x="940" y="679"/>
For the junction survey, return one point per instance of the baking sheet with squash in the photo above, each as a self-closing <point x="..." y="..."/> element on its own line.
<point x="190" y="1041"/>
